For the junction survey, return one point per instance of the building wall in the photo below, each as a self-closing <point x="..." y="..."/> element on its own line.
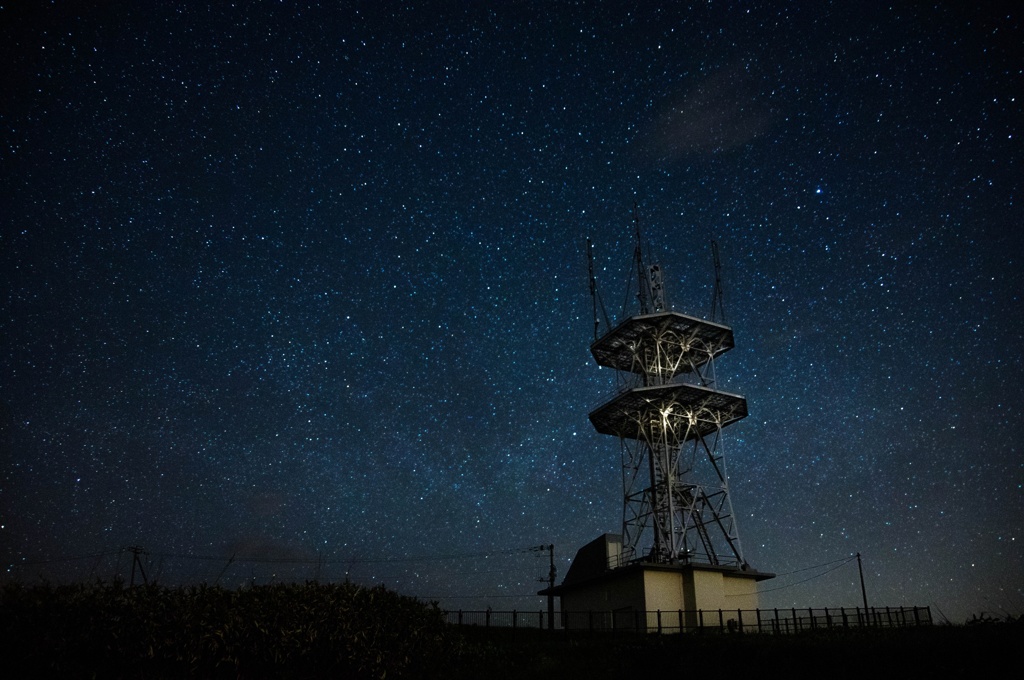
<point x="741" y="593"/>
<point x="700" y="588"/>
<point x="664" y="593"/>
<point x="663" y="590"/>
<point x="620" y="596"/>
<point x="714" y="590"/>
<point x="614" y="601"/>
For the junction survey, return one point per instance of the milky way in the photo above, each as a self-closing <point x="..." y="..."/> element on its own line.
<point x="295" y="292"/>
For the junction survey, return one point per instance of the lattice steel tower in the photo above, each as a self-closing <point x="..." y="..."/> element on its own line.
<point x="669" y="418"/>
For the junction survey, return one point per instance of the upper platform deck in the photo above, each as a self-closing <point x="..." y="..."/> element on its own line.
<point x="669" y="339"/>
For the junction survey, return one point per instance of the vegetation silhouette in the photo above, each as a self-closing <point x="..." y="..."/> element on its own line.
<point x="316" y="630"/>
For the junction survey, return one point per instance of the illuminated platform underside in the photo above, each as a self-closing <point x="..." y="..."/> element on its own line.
<point x="688" y="409"/>
<point x="696" y="339"/>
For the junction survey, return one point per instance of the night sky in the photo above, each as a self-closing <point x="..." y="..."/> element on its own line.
<point x="307" y="287"/>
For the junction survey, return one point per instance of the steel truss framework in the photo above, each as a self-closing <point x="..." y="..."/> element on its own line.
<point x="669" y="419"/>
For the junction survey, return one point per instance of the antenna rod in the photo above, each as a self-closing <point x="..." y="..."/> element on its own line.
<point x="593" y="284"/>
<point x="643" y="287"/>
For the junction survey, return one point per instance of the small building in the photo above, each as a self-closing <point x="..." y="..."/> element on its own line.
<point x="600" y="592"/>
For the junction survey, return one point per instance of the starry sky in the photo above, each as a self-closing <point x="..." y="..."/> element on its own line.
<point x="295" y="291"/>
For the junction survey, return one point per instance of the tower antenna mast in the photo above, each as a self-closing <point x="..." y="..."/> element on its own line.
<point x="643" y="286"/>
<point x="595" y="295"/>
<point x="669" y="421"/>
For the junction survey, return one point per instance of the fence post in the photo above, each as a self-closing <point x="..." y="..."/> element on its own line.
<point x="721" y="621"/>
<point x="758" y="613"/>
<point x="796" y="621"/>
<point x="680" y="620"/>
<point x="513" y="619"/>
<point x="700" y="618"/>
<point x="739" y="620"/>
<point x="487" y="618"/>
<point x="460" y="617"/>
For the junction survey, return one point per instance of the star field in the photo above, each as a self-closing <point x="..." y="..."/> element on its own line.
<point x="305" y="286"/>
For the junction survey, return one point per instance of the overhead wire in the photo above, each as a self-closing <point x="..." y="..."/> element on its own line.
<point x="279" y="560"/>
<point x="791" y="585"/>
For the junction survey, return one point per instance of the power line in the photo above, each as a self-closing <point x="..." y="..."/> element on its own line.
<point x="70" y="558"/>
<point x="791" y="585"/>
<point x="279" y="560"/>
<point x="843" y="560"/>
<point x="472" y="597"/>
<point x="346" y="561"/>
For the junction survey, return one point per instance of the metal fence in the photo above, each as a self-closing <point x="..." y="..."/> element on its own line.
<point x="770" y="621"/>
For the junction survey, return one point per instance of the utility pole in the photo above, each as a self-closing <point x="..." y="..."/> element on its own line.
<point x="863" y="592"/>
<point x="136" y="551"/>
<point x="552" y="572"/>
<point x="551" y="584"/>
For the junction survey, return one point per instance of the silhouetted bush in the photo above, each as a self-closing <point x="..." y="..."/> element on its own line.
<point x="346" y="631"/>
<point x="285" y="630"/>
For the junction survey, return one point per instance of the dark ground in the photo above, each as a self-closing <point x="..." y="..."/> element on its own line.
<point x="110" y="630"/>
<point x="942" y="651"/>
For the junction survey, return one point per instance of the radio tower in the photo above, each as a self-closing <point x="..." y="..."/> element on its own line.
<point x="669" y="418"/>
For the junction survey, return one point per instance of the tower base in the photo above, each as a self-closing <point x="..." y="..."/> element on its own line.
<point x="597" y="593"/>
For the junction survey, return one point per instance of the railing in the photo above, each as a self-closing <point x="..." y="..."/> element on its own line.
<point x="628" y="556"/>
<point x="493" y="619"/>
<point x="769" y="621"/>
